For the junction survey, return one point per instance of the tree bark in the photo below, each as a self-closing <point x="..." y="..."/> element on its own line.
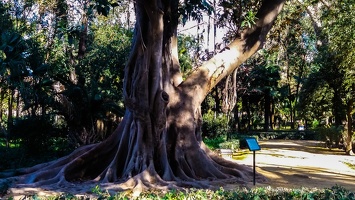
<point x="158" y="143"/>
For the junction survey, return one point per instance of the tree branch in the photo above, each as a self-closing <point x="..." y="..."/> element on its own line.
<point x="204" y="78"/>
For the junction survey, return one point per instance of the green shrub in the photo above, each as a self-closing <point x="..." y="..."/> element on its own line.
<point x="315" y="124"/>
<point x="330" y="134"/>
<point x="213" y="143"/>
<point x="34" y="134"/>
<point x="336" y="192"/>
<point x="237" y="142"/>
<point x="242" y="142"/>
<point x="230" y="144"/>
<point x="214" y="126"/>
<point x="17" y="156"/>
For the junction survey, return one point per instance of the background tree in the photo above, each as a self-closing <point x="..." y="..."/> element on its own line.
<point x="159" y="139"/>
<point x="342" y="48"/>
<point x="265" y="77"/>
<point x="43" y="88"/>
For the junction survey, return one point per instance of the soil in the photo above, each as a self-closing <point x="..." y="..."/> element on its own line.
<point x="302" y="163"/>
<point x="285" y="163"/>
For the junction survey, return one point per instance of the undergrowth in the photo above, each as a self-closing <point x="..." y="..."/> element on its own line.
<point x="261" y="193"/>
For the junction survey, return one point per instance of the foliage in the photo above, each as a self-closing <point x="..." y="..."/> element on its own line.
<point x="187" y="47"/>
<point x="249" y="20"/>
<point x="96" y="94"/>
<point x="221" y="143"/>
<point x="19" y="156"/>
<point x="233" y="144"/>
<point x="213" y="143"/>
<point x="316" y="98"/>
<point x="330" y="133"/>
<point x="340" y="29"/>
<point x="194" y="9"/>
<point x="34" y="134"/>
<point x="5" y="22"/>
<point x="214" y="125"/>
<point x="258" y="89"/>
<point x="333" y="193"/>
<point x="236" y="142"/>
<point x="236" y="18"/>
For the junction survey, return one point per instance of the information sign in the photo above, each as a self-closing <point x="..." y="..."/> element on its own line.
<point x="253" y="144"/>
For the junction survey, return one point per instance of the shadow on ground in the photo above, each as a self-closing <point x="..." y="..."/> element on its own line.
<point x="302" y="163"/>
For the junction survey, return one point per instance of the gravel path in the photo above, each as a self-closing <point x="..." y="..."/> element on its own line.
<point x="301" y="163"/>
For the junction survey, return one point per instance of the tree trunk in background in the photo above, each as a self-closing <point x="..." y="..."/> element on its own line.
<point x="10" y="109"/>
<point x="246" y="106"/>
<point x="9" y="116"/>
<point x="291" y="100"/>
<point x="217" y="100"/>
<point x="83" y="35"/>
<point x="18" y="107"/>
<point x="337" y="107"/>
<point x="272" y="115"/>
<point x="2" y="94"/>
<point x="158" y="143"/>
<point x="349" y="131"/>
<point x="267" y="110"/>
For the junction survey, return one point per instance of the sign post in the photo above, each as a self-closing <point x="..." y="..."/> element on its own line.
<point x="253" y="145"/>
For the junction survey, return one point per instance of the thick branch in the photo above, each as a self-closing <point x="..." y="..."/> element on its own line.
<point x="202" y="80"/>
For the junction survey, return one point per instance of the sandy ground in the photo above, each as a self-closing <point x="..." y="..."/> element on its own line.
<point x="300" y="163"/>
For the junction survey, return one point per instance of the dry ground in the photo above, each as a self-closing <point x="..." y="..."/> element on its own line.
<point x="301" y="163"/>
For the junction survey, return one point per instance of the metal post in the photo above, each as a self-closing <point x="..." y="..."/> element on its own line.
<point x="254" y="167"/>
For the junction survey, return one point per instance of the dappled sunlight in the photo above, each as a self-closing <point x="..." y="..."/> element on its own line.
<point x="296" y="164"/>
<point x="304" y="177"/>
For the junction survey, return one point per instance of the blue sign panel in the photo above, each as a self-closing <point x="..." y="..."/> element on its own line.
<point x="253" y="144"/>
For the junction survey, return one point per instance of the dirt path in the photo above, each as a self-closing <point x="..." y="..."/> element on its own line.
<point x="296" y="164"/>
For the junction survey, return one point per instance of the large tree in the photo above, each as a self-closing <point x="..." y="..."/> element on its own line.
<point x="158" y="143"/>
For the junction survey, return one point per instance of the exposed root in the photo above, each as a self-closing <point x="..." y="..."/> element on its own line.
<point x="120" y="164"/>
<point x="61" y="174"/>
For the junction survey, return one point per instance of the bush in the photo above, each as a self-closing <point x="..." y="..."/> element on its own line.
<point x="35" y="134"/>
<point x="330" y="134"/>
<point x="242" y="142"/>
<point x="214" y="126"/>
<point x="213" y="143"/>
<point x="233" y="144"/>
<point x="16" y="156"/>
<point x="237" y="142"/>
<point x="33" y="140"/>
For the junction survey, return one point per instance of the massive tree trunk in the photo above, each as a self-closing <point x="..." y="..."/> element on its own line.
<point x="158" y="143"/>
